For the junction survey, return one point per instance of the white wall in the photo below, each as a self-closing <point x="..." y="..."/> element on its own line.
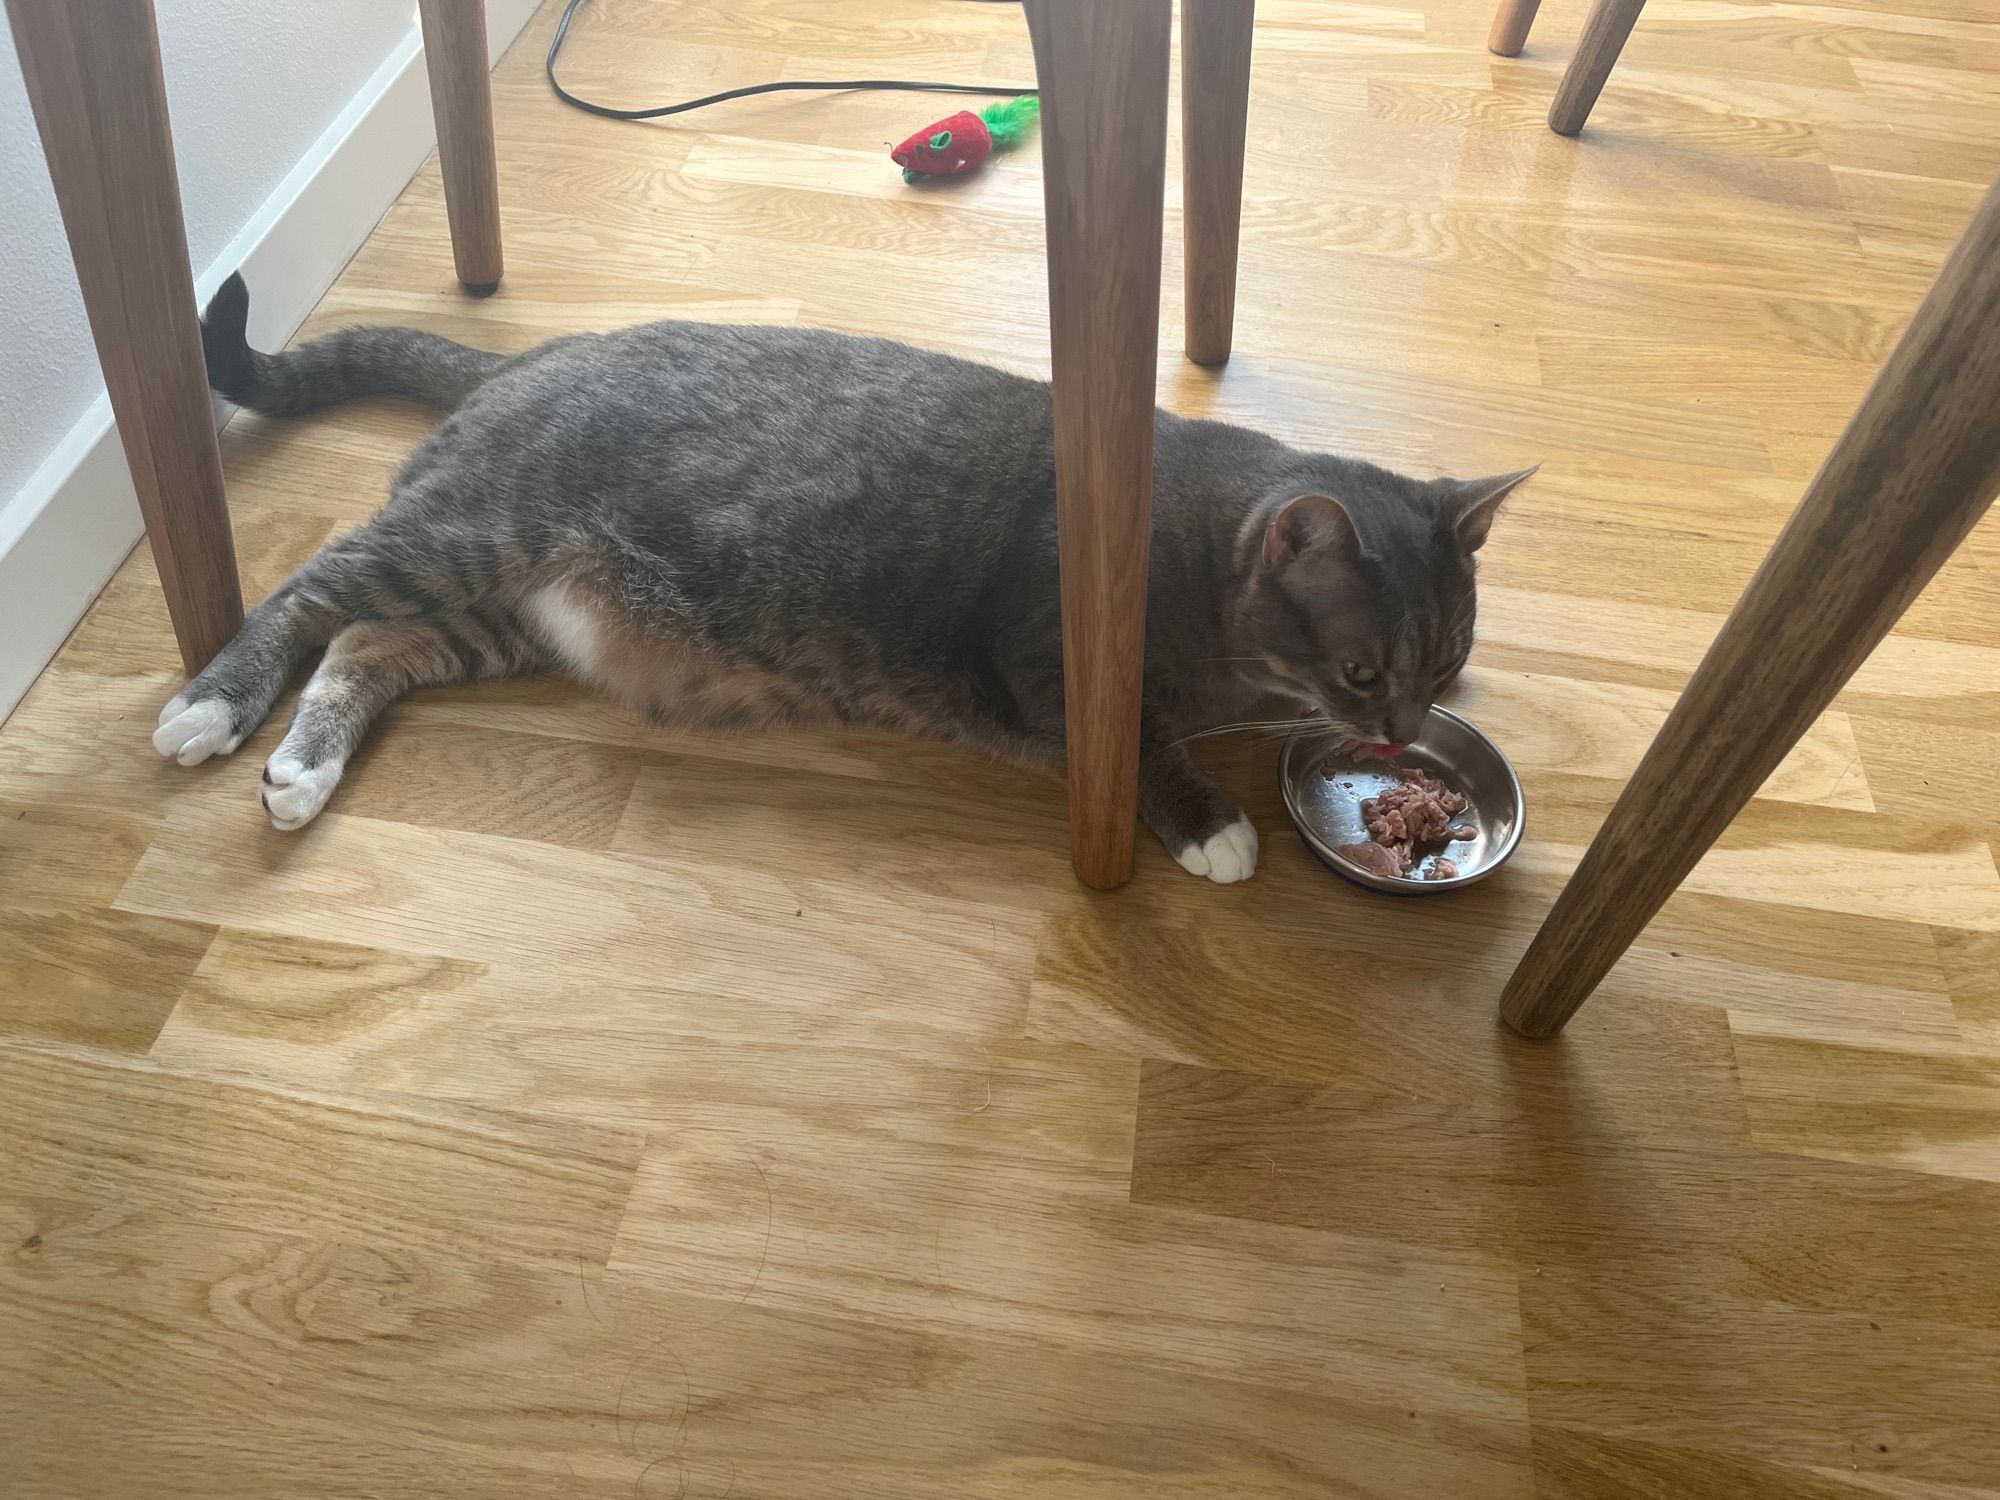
<point x="296" y="123"/>
<point x="250" y="85"/>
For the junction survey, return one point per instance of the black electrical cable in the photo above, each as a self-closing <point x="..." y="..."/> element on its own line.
<point x="662" y="111"/>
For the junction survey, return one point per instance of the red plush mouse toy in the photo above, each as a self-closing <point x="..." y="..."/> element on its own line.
<point x="960" y="144"/>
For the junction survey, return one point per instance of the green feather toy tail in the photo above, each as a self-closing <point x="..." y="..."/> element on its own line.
<point x="1011" y="119"/>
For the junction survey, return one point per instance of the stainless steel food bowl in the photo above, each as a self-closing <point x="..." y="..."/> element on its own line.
<point x="1324" y="788"/>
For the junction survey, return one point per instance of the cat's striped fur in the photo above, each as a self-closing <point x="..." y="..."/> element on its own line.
<point x="749" y="527"/>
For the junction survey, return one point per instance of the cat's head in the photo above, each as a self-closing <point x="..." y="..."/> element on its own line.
<point x="1358" y="592"/>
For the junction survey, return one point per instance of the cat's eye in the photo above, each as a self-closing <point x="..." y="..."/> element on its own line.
<point x="1359" y="675"/>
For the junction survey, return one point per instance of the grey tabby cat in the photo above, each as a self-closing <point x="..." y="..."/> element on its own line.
<point x="736" y="527"/>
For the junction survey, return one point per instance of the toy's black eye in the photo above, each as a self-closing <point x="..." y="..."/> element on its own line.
<point x="1359" y="675"/>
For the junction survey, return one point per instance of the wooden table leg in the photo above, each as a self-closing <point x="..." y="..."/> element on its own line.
<point x="93" y="77"/>
<point x="1511" y="25"/>
<point x="1915" y="469"/>
<point x="462" y="105"/>
<point x="1611" y="21"/>
<point x="1102" y="72"/>
<point x="1215" y="111"/>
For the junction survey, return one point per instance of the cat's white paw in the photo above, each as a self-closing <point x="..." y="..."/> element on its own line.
<point x="1225" y="857"/>
<point x="191" y="733"/>
<point x="293" y="794"/>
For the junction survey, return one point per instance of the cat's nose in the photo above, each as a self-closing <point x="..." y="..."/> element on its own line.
<point x="1406" y="721"/>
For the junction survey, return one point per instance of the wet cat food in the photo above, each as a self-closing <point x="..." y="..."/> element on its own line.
<point x="1373" y="858"/>
<point x="1416" y="812"/>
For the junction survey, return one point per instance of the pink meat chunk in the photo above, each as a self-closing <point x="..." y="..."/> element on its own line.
<point x="1372" y="857"/>
<point x="1416" y="812"/>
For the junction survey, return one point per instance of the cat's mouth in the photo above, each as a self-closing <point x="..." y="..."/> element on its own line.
<point x="1348" y="736"/>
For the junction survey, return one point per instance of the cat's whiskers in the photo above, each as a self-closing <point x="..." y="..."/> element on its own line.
<point x="1332" y="736"/>
<point x="1281" y="726"/>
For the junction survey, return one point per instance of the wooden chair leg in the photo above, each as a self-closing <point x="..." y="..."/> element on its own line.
<point x="1102" y="70"/>
<point x="1215" y="109"/>
<point x="1915" y="469"/>
<point x="462" y="104"/>
<point x="1511" y="25"/>
<point x="1611" y="21"/>
<point x="93" y="78"/>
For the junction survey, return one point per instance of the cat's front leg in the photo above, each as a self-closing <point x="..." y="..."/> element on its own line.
<point x="1200" y="826"/>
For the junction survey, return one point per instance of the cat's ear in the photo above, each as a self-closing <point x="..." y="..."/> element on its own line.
<point x="1475" y="502"/>
<point x="1306" y="524"/>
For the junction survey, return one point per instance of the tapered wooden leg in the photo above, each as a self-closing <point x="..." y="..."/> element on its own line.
<point x="1597" y="50"/>
<point x="462" y="104"/>
<point x="1102" y="70"/>
<point x="93" y="77"/>
<point x="1511" y="24"/>
<point x="1915" y="469"/>
<point x="1215" y="110"/>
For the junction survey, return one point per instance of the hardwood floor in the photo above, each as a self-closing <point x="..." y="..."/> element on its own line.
<point x="575" y="1110"/>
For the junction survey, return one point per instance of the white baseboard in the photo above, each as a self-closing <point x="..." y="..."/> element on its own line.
<point x="68" y="528"/>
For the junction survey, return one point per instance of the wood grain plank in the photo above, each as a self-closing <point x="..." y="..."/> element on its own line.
<point x="1971" y="964"/>
<point x="1582" y="727"/>
<point x="1885" y="1397"/>
<point x="1164" y="1194"/>
<point x="1592" y="1197"/>
<point x="93" y="977"/>
<point x="233" y="1154"/>
<point x="57" y="858"/>
<point x="1930" y="1112"/>
<point x="658" y="1055"/>
<point x="896" y="1239"/>
<point x="366" y="882"/>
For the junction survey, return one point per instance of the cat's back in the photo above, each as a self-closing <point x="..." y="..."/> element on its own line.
<point x="769" y="473"/>
<point x="791" y="393"/>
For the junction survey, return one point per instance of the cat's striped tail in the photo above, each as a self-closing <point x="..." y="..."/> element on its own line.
<point x="340" y="367"/>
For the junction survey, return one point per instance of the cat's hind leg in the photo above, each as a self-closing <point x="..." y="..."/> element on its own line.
<point x="367" y="667"/>
<point x="226" y="701"/>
